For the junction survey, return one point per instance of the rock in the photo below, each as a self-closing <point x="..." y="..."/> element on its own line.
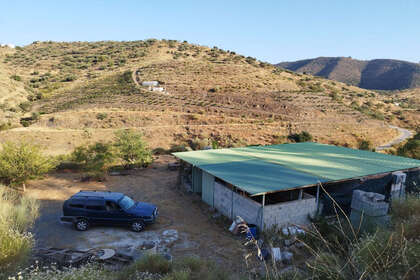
<point x="170" y="236"/>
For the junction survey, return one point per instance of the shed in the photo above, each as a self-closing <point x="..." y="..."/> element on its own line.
<point x="280" y="184"/>
<point x="150" y="83"/>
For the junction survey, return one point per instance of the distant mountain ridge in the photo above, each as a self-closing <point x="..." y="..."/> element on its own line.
<point x="381" y="74"/>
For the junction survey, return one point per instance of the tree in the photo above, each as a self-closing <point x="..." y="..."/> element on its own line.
<point x="22" y="162"/>
<point x="95" y="157"/>
<point x="132" y="149"/>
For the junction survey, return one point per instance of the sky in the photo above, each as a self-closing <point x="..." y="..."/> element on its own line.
<point x="272" y="31"/>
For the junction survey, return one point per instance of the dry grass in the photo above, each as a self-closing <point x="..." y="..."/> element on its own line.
<point x="17" y="213"/>
<point x="213" y="94"/>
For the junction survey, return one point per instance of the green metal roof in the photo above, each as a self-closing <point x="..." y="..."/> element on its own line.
<point x="262" y="169"/>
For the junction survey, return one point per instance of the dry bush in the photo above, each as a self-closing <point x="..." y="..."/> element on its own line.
<point x="17" y="214"/>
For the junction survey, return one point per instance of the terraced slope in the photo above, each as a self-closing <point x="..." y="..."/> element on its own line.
<point x="85" y="91"/>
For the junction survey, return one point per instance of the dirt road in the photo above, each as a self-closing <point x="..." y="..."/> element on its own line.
<point x="404" y="134"/>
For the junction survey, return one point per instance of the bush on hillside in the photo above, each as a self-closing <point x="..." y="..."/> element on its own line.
<point x="22" y="162"/>
<point x="132" y="149"/>
<point x="304" y="136"/>
<point x="16" y="78"/>
<point x="411" y="148"/>
<point x="365" y="145"/>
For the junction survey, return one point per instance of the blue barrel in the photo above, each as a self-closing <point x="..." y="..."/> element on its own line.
<point x="252" y="232"/>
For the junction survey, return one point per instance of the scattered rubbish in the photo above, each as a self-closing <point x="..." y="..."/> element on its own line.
<point x="263" y="254"/>
<point x="68" y="257"/>
<point x="169" y="236"/>
<point x="292" y="230"/>
<point x="107" y="254"/>
<point x="237" y="225"/>
<point x="289" y="242"/>
<point x="276" y="254"/>
<point x="252" y="232"/>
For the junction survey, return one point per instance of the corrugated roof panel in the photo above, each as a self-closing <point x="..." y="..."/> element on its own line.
<point x="258" y="177"/>
<point x="331" y="162"/>
<point x="288" y="165"/>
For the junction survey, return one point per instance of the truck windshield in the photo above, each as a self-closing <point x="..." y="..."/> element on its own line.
<point x="126" y="202"/>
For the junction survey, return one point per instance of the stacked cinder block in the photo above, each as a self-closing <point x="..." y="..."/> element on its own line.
<point x="368" y="210"/>
<point x="398" y="185"/>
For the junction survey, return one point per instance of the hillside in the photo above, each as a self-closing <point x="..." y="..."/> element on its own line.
<point x="380" y="74"/>
<point x="78" y="92"/>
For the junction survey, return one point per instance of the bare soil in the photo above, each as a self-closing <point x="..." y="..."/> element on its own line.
<point x="199" y="233"/>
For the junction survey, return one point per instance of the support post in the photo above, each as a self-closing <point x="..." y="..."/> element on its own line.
<point x="262" y="213"/>
<point x="300" y="194"/>
<point x="317" y="199"/>
<point x="231" y="209"/>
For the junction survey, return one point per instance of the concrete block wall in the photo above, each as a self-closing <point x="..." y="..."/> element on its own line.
<point x="223" y="199"/>
<point x="231" y="204"/>
<point x="291" y="212"/>
<point x="248" y="209"/>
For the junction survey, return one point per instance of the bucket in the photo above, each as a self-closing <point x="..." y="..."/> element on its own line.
<point x="252" y="232"/>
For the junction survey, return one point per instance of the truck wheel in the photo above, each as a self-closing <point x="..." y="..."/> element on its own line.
<point x="81" y="225"/>
<point x="137" y="226"/>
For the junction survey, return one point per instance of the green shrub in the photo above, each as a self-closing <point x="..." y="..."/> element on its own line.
<point x="96" y="157"/>
<point x="132" y="149"/>
<point x="365" y="145"/>
<point x="411" y="148"/>
<point x="101" y="116"/>
<point x="153" y="264"/>
<point x="21" y="162"/>
<point x="69" y="78"/>
<point x="304" y="136"/>
<point x="16" y="78"/>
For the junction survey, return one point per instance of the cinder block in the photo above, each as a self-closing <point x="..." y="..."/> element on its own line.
<point x="371" y="204"/>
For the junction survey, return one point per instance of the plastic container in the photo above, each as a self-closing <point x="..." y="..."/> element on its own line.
<point x="252" y="232"/>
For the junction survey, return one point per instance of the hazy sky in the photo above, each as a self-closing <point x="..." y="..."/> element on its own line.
<point x="272" y="31"/>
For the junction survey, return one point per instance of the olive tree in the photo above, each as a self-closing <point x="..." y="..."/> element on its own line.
<point x="22" y="162"/>
<point x="132" y="149"/>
